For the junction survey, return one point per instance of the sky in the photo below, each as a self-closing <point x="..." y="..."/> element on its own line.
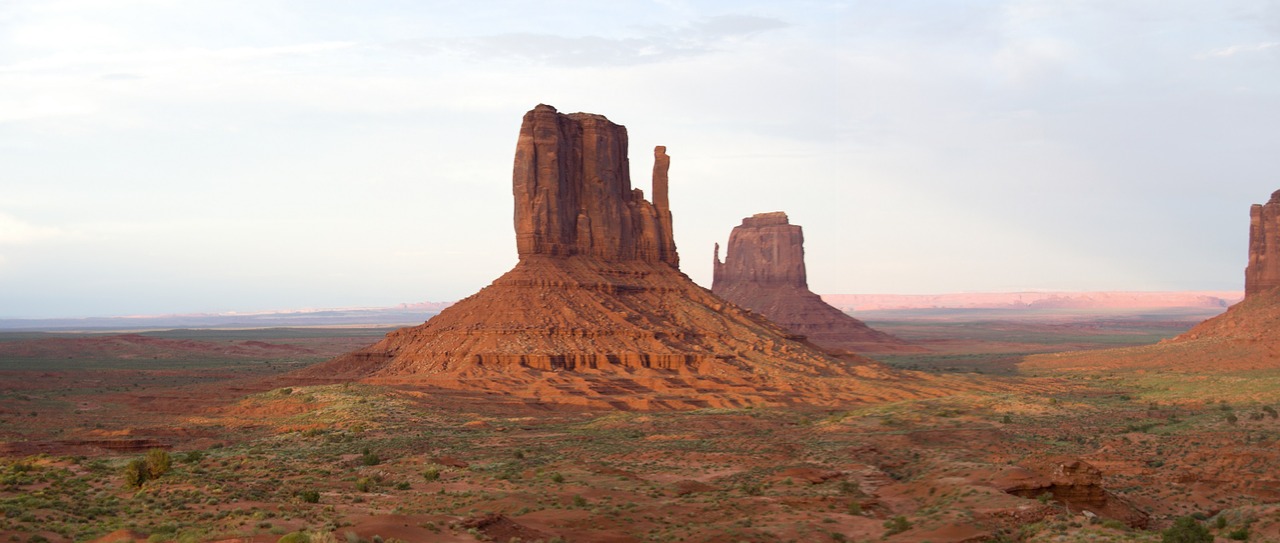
<point x="193" y="156"/>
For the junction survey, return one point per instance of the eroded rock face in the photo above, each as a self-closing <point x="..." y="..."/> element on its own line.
<point x="596" y="312"/>
<point x="764" y="271"/>
<point x="1263" y="271"/>
<point x="573" y="195"/>
<point x="1072" y="482"/>
<point x="765" y="250"/>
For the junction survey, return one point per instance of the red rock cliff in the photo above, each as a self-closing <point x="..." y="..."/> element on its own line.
<point x="766" y="250"/>
<point x="573" y="195"/>
<point x="763" y="271"/>
<point x="1263" y="271"/>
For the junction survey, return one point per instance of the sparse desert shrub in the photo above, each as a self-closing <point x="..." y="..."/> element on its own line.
<point x="295" y="537"/>
<point x="158" y="463"/>
<point x="1239" y="534"/>
<point x="1186" y="530"/>
<point x="135" y="473"/>
<point x="897" y="525"/>
<point x="364" y="484"/>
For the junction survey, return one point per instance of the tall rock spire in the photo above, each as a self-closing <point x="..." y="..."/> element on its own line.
<point x="1263" y="271"/>
<point x="573" y="195"/>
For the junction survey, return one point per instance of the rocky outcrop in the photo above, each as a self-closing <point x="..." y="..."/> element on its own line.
<point x="1072" y="482"/>
<point x="1263" y="271"/>
<point x="572" y="186"/>
<point x="596" y="313"/>
<point x="764" y="271"/>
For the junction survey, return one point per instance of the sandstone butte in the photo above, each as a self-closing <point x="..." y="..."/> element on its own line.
<point x="764" y="271"/>
<point x="597" y="313"/>
<point x="1245" y="337"/>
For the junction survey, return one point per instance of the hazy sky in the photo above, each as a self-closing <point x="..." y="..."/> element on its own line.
<point x="209" y="156"/>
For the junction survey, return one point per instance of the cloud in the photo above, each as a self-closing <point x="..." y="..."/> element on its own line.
<point x="1238" y="49"/>
<point x="62" y="61"/>
<point x="656" y="44"/>
<point x="14" y="231"/>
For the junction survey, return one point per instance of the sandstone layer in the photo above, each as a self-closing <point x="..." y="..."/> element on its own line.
<point x="596" y="312"/>
<point x="764" y="271"/>
<point x="1263" y="271"/>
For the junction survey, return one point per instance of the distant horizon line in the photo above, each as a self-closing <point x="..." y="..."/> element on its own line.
<point x="1229" y="295"/>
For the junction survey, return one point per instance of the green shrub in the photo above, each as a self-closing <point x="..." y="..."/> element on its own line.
<point x="1186" y="530"/>
<point x="295" y="537"/>
<point x="158" y="463"/>
<point x="897" y="525"/>
<point x="135" y="473"/>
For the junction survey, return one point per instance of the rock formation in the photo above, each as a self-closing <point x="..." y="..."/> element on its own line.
<point x="1263" y="271"/>
<point x="1071" y="482"/>
<point x="596" y="311"/>
<point x="572" y="186"/>
<point x="764" y="271"/>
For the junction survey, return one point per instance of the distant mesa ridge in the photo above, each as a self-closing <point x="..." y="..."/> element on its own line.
<point x="1245" y="337"/>
<point x="764" y="271"/>
<point x="1045" y="300"/>
<point x="596" y="311"/>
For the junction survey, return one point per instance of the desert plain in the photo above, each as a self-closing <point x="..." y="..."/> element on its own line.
<point x="257" y="455"/>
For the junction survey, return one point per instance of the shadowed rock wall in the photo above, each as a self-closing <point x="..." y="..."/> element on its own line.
<point x="1263" y="272"/>
<point x="764" y="271"/>
<point x="573" y="195"/>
